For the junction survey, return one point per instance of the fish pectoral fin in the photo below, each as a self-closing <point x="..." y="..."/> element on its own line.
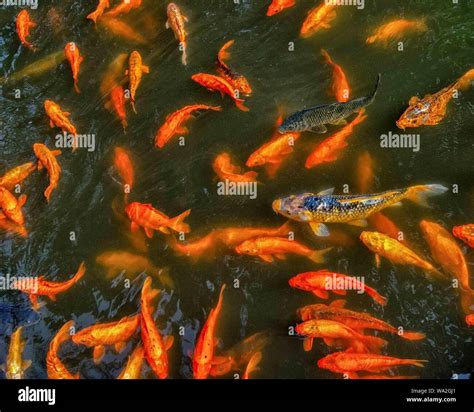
<point x="323" y="294"/>
<point x="168" y="341"/>
<point x="340" y="292"/>
<point x="280" y="256"/>
<point x="308" y="344"/>
<point x="26" y="364"/>
<point x="56" y="152"/>
<point x="22" y="200"/>
<point x="120" y="346"/>
<point x="326" y="192"/>
<point x="266" y="258"/>
<point x="167" y="24"/>
<point x="338" y="303"/>
<point x="52" y="297"/>
<point x="149" y="232"/>
<point x="358" y="223"/>
<point x="339" y="122"/>
<point x="377" y="260"/>
<point x="146" y="69"/>
<point x="165" y="230"/>
<point x="219" y="360"/>
<point x="185" y="19"/>
<point x="398" y="204"/>
<point x="318" y="129"/>
<point x="134" y="227"/>
<point x="329" y="342"/>
<point x="51" y="124"/>
<point x="99" y="352"/>
<point x="319" y="229"/>
<point x="182" y="130"/>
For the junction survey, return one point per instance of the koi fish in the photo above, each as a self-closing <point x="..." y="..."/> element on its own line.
<point x="340" y="85"/>
<point x="125" y="7"/>
<point x="176" y="22"/>
<point x="383" y="224"/>
<point x="174" y="123"/>
<point x="465" y="233"/>
<point x="353" y="209"/>
<point x="58" y="118"/>
<point x="16" y="175"/>
<point x="465" y="81"/>
<point x="54" y="366"/>
<point x="329" y="150"/>
<point x="135" y="72"/>
<point x="72" y="53"/>
<point x="99" y="11"/>
<point x="119" y="28"/>
<point x="396" y="252"/>
<point x="116" y="104"/>
<point x="396" y="30"/>
<point x="238" y="81"/>
<point x="252" y="365"/>
<point x="318" y="18"/>
<point x="203" y="356"/>
<point x="321" y="282"/>
<point x="106" y="334"/>
<point x="15" y="366"/>
<point x="226" y="170"/>
<point x="47" y="159"/>
<point x="48" y="288"/>
<point x="10" y="206"/>
<point x="268" y="247"/>
<point x="278" y="6"/>
<point x="124" y="166"/>
<point x="154" y="345"/>
<point x="365" y="173"/>
<point x="315" y="118"/>
<point x="23" y="25"/>
<point x="216" y="83"/>
<point x="134" y="364"/>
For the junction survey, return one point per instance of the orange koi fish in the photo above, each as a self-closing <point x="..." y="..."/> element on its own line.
<point x="23" y="25"/>
<point x="174" y="123"/>
<point x="383" y="224"/>
<point x="73" y="55"/>
<point x="226" y="170"/>
<point x="154" y="345"/>
<point x="125" y="7"/>
<point x="105" y="334"/>
<point x="216" y="83"/>
<point x="151" y="219"/>
<point x="238" y="81"/>
<point x="365" y="173"/>
<point x="252" y="365"/>
<point x="396" y="30"/>
<point x="135" y="72"/>
<point x="47" y="159"/>
<point x="119" y="28"/>
<point x="176" y="22"/>
<point x="15" y="366"/>
<point x="117" y="104"/>
<point x="48" y="288"/>
<point x="124" y="166"/>
<point x="393" y="250"/>
<point x="465" y="81"/>
<point x="10" y="206"/>
<point x="278" y="6"/>
<point x="54" y="366"/>
<point x="318" y="18"/>
<point x="58" y="118"/>
<point x="340" y="85"/>
<point x="203" y="356"/>
<point x="133" y="368"/>
<point x="329" y="150"/>
<point x="268" y="247"/>
<point x="465" y="233"/>
<point x="321" y="282"/>
<point x="16" y="175"/>
<point x="99" y="11"/>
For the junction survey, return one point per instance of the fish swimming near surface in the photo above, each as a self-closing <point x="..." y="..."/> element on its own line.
<point x="120" y="28"/>
<point x="318" y="18"/>
<point x="72" y="53"/>
<point x="252" y="365"/>
<point x="59" y="118"/>
<point x="277" y="6"/>
<point x="176" y="21"/>
<point x="124" y="166"/>
<point x="47" y="159"/>
<point x="465" y="233"/>
<point x="315" y="118"/>
<point x="55" y="368"/>
<point x="124" y="7"/>
<point x="325" y="207"/>
<point x="133" y="368"/>
<point x="135" y="71"/>
<point x="10" y="206"/>
<point x="15" y="365"/>
<point x="17" y="175"/>
<point x="23" y="25"/>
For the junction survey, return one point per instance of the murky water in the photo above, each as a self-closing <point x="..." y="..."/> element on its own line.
<point x="178" y="178"/>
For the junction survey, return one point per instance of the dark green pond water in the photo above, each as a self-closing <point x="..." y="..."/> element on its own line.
<point x="178" y="178"/>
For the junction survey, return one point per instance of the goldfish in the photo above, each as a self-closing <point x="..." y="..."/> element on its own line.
<point x="174" y="123"/>
<point x="134" y="364"/>
<point x="135" y="72"/>
<point x="252" y="365"/>
<point x="268" y="247"/>
<point x="278" y="6"/>
<point x="116" y="104"/>
<point x="470" y="319"/>
<point x="73" y="55"/>
<point x="238" y="81"/>
<point x="396" y="29"/>
<point x="329" y="150"/>
<point x="15" y="366"/>
<point x="176" y="22"/>
<point x="465" y="233"/>
<point x="365" y="172"/>
<point x="446" y="252"/>
<point x="321" y="282"/>
<point x="42" y="287"/>
<point x="124" y="166"/>
<point x="54" y="366"/>
<point x="16" y="175"/>
<point x="105" y="334"/>
<point x="122" y="29"/>
<point x="12" y="227"/>
<point x="332" y="332"/>
<point x="325" y="207"/>
<point x="113" y="76"/>
<point x="314" y="119"/>
<point x="124" y="7"/>
<point x="203" y="356"/>
<point x="47" y="159"/>
<point x="393" y="250"/>
<point x="358" y="321"/>
<point x="99" y="11"/>
<point x="273" y="153"/>
<point x="383" y="224"/>
<point x="465" y="81"/>
<point x="154" y="345"/>
<point x="352" y="363"/>
<point x="23" y="25"/>
<point x="226" y="170"/>
<point x="340" y="85"/>
<point x="150" y="219"/>
<point x="216" y="83"/>
<point x="58" y="118"/>
<point x="10" y="206"/>
<point x="318" y="18"/>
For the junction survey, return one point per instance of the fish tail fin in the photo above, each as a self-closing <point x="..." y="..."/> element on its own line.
<point x="285" y="228"/>
<point x="240" y="104"/>
<point x="326" y="57"/>
<point x="76" y="88"/>
<point x="317" y="256"/>
<point x="133" y="106"/>
<point x="253" y="363"/>
<point x="416" y="362"/>
<point x="47" y="193"/>
<point x="223" y="53"/>
<point x="413" y="335"/>
<point x="93" y="16"/>
<point x="215" y="108"/>
<point x="177" y="223"/>
<point x="184" y="56"/>
<point x="376" y="296"/>
<point x="420" y="194"/>
<point x="80" y="272"/>
<point x="148" y="293"/>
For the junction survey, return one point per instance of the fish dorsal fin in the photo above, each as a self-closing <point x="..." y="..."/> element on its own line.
<point x="26" y="364"/>
<point x="168" y="342"/>
<point x="326" y="192"/>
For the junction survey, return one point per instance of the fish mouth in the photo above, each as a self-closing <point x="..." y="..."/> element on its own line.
<point x="400" y="125"/>
<point x="276" y="206"/>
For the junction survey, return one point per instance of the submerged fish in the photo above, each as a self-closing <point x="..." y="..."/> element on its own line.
<point x="47" y="159"/>
<point x="315" y="118"/>
<point x="135" y="71"/>
<point x="340" y="86"/>
<point x="54" y="366"/>
<point x="15" y="366"/>
<point x="396" y="29"/>
<point x="318" y="18"/>
<point x="71" y="51"/>
<point x="99" y="11"/>
<point x="124" y="7"/>
<point x="226" y="170"/>
<point x="133" y="368"/>
<point x="23" y="25"/>
<point x="122" y="29"/>
<point x="176" y="21"/>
